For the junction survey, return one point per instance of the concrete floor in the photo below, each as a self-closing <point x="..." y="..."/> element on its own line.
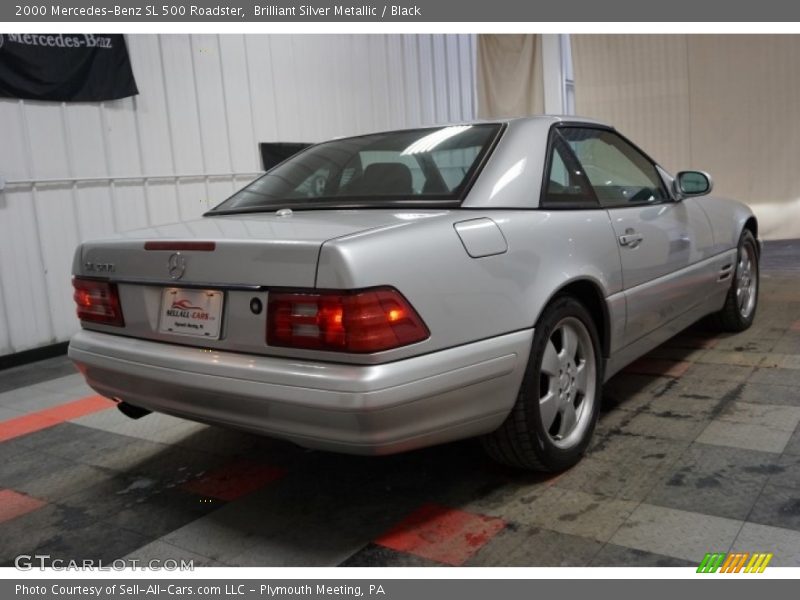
<point x="697" y="450"/>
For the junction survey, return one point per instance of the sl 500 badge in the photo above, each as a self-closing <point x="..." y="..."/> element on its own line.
<point x="99" y="267"/>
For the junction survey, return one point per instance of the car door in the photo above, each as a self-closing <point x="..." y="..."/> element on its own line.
<point x="659" y="238"/>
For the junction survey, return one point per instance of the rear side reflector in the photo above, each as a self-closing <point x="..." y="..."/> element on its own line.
<point x="346" y="321"/>
<point x="97" y="302"/>
<point x="178" y="246"/>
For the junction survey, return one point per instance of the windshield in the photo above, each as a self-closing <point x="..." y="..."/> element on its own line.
<point x="433" y="165"/>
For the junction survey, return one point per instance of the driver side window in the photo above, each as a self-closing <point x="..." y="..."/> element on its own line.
<point x="619" y="174"/>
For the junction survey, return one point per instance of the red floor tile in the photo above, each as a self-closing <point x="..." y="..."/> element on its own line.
<point x="442" y="534"/>
<point x="659" y="367"/>
<point x="13" y="505"/>
<point x="234" y="480"/>
<point x="79" y="408"/>
<point x="49" y="417"/>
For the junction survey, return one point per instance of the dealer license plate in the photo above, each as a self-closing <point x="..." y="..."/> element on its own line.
<point x="191" y="312"/>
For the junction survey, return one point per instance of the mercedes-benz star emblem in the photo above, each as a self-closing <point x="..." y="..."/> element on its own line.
<point x="176" y="265"/>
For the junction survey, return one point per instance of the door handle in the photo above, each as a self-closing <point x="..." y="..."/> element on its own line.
<point x="630" y="239"/>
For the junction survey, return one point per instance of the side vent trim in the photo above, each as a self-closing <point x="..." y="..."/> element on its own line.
<point x="725" y="272"/>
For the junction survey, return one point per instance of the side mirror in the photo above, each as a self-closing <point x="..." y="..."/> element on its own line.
<point x="693" y="183"/>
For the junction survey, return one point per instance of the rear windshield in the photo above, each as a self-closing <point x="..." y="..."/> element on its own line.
<point x="420" y="166"/>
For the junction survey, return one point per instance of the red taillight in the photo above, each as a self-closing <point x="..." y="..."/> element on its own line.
<point x="362" y="321"/>
<point x="98" y="302"/>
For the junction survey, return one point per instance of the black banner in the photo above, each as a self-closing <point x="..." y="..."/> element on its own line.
<point x="67" y="67"/>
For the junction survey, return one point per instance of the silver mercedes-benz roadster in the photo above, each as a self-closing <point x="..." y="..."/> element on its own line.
<point x="385" y="292"/>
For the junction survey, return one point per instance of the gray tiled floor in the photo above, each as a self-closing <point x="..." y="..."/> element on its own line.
<point x="766" y="393"/>
<point x="576" y="513"/>
<point x="161" y="550"/>
<point x="35" y="373"/>
<point x="612" y="555"/>
<point x="714" y="480"/>
<point x="778" y="506"/>
<point x="624" y="479"/>
<point x="8" y="413"/>
<point x="32" y="398"/>
<point x="677" y="533"/>
<point x="680" y="466"/>
<point x="528" y="546"/>
<point x="786" y="472"/>
<point x="751" y="436"/>
<point x="793" y="445"/>
<point x="783" y="543"/>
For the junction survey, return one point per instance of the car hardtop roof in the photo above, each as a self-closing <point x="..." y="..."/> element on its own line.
<point x="511" y="121"/>
<point x="550" y="118"/>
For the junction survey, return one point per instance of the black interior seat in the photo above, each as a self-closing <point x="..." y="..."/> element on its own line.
<point x="384" y="178"/>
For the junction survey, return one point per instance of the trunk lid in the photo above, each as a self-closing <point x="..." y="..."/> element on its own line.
<point x="250" y="250"/>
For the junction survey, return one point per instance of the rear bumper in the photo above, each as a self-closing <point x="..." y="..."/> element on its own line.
<point x="370" y="409"/>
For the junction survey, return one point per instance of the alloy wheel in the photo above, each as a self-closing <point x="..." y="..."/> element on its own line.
<point x="746" y="281"/>
<point x="567" y="383"/>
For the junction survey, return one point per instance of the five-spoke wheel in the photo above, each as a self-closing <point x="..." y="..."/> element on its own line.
<point x="746" y="281"/>
<point x="740" y="304"/>
<point x="567" y="382"/>
<point x="552" y="422"/>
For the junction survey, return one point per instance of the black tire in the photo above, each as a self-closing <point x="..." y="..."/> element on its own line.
<point x="522" y="440"/>
<point x="731" y="317"/>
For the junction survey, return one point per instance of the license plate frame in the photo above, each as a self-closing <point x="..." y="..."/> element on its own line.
<point x="191" y="312"/>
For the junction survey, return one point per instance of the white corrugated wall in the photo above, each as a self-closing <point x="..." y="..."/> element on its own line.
<point x="205" y="103"/>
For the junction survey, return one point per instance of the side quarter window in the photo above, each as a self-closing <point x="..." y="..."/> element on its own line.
<point x="619" y="174"/>
<point x="565" y="186"/>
